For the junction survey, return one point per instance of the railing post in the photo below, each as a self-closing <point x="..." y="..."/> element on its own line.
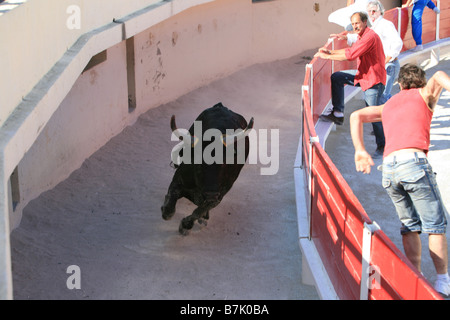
<point x="309" y="68"/>
<point x="332" y="61"/>
<point x="438" y="19"/>
<point x="366" y="268"/>
<point x="305" y="90"/>
<point x="312" y="140"/>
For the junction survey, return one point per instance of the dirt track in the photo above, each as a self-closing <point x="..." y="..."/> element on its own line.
<point x="105" y="218"/>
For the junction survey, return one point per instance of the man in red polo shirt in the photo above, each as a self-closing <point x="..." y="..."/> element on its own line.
<point x="370" y="74"/>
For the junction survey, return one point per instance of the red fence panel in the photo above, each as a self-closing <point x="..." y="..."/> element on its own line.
<point x="429" y="19"/>
<point x="392" y="16"/>
<point x="444" y="30"/>
<point x="321" y="87"/>
<point x="397" y="272"/>
<point x="405" y="32"/>
<point x="337" y="225"/>
<point x="343" y="65"/>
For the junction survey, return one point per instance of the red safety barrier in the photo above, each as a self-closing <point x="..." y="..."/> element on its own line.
<point x="343" y="65"/>
<point x="399" y="279"/>
<point x="429" y="19"/>
<point x="337" y="225"/>
<point x="337" y="219"/>
<point x="321" y="93"/>
<point x="444" y="21"/>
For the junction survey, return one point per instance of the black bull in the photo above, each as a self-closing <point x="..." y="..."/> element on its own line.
<point x="206" y="184"/>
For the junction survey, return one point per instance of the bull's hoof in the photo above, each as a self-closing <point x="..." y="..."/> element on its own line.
<point x="185" y="225"/>
<point x="167" y="214"/>
<point x="203" y="222"/>
<point x="183" y="232"/>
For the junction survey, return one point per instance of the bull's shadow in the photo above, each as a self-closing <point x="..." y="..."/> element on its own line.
<point x="206" y="181"/>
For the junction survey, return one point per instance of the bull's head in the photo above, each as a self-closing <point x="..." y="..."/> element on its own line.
<point x="226" y="138"/>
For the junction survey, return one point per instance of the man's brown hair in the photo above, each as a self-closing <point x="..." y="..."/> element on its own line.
<point x="412" y="76"/>
<point x="363" y="16"/>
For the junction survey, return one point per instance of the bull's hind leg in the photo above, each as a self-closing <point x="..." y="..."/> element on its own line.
<point x="170" y="201"/>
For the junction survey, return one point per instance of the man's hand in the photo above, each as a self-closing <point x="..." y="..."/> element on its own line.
<point x="339" y="36"/>
<point x="363" y="161"/>
<point x="323" y="53"/>
<point x="407" y="4"/>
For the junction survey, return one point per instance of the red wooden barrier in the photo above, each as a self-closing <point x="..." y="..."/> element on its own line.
<point x="337" y="225"/>
<point x="444" y="28"/>
<point x="399" y="278"/>
<point x="321" y="86"/>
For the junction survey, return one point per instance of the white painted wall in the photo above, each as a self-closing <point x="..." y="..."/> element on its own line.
<point x="35" y="35"/>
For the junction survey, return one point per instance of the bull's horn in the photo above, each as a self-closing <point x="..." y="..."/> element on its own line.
<point x="180" y="135"/>
<point x="229" y="139"/>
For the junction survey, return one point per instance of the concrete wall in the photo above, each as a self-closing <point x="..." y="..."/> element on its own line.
<point x="28" y="37"/>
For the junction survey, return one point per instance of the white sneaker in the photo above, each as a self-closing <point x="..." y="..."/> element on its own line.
<point x="436" y="9"/>
<point x="443" y="287"/>
<point x="418" y="48"/>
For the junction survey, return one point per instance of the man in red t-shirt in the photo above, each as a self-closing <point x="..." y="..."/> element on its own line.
<point x="407" y="175"/>
<point x="370" y="74"/>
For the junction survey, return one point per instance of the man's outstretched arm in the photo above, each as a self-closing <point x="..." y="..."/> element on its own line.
<point x="433" y="89"/>
<point x="363" y="160"/>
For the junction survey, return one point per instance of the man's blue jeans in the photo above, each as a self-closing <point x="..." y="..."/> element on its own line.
<point x="392" y="71"/>
<point x="416" y="18"/>
<point x="371" y="96"/>
<point x="412" y="186"/>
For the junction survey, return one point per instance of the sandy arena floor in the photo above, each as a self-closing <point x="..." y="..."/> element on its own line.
<point x="106" y="219"/>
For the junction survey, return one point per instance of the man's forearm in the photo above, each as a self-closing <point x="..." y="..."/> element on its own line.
<point x="356" y="131"/>
<point x="338" y="55"/>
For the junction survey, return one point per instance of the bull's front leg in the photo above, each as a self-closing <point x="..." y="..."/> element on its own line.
<point x="171" y="198"/>
<point x="168" y="208"/>
<point x="200" y="213"/>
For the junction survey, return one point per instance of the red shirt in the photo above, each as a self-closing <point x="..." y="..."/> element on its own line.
<point x="371" y="59"/>
<point x="406" y="122"/>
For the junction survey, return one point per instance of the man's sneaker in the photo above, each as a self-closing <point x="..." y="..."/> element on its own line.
<point x="418" y="48"/>
<point x="332" y="118"/>
<point x="443" y="287"/>
<point x="436" y="9"/>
